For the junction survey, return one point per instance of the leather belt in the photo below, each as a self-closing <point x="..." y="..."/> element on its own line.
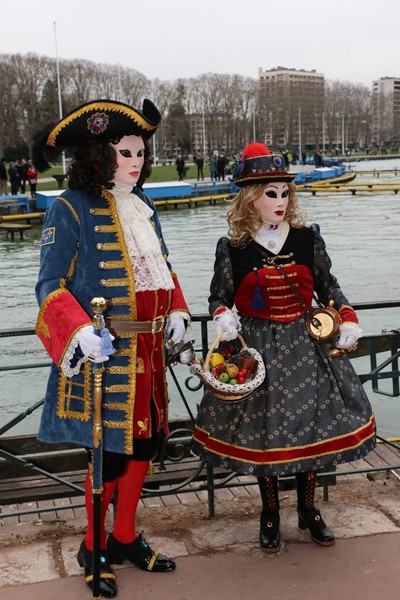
<point x="124" y="326"/>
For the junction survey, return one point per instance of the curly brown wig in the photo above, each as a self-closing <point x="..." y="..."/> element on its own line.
<point x="93" y="167"/>
<point x="244" y="219"/>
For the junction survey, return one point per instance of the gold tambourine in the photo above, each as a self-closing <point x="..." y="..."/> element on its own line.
<point x="323" y="323"/>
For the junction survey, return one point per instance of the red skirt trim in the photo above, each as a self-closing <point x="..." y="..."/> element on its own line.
<point x="286" y="455"/>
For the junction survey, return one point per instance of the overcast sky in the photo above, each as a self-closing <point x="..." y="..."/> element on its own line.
<point x="348" y="40"/>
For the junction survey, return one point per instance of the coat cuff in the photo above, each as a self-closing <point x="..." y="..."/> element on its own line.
<point x="60" y="318"/>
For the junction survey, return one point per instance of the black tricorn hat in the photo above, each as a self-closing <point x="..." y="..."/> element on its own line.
<point x="258" y="165"/>
<point x="95" y="120"/>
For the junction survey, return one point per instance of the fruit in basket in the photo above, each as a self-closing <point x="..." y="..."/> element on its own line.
<point x="216" y="359"/>
<point x="232" y="370"/>
<point x="224" y="378"/>
<point x="233" y="381"/>
<point x="216" y="371"/>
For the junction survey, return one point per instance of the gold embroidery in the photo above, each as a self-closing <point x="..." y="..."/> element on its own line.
<point x="41" y="325"/>
<point x="113" y="264"/>
<point x="139" y="365"/>
<point x="71" y="208"/>
<point x="114" y="282"/>
<point x="143" y="426"/>
<point x="65" y="395"/>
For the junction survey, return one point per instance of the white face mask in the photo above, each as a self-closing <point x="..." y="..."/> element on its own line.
<point x="273" y="202"/>
<point x="130" y="159"/>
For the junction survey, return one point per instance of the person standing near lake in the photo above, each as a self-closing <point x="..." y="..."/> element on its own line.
<point x="311" y="411"/>
<point x="32" y="175"/>
<point x="102" y="237"/>
<point x="3" y="177"/>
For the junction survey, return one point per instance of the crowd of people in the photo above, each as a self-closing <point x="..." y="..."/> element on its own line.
<point x="19" y="174"/>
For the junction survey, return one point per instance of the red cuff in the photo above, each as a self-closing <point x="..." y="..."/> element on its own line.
<point x="348" y="314"/>
<point x="220" y="310"/>
<point x="60" y="317"/>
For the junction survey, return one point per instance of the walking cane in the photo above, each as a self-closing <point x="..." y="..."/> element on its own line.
<point x="97" y="305"/>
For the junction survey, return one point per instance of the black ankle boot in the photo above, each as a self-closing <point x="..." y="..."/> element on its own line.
<point x="108" y="583"/>
<point x="320" y="533"/>
<point x="309" y="517"/>
<point x="270" y="539"/>
<point x="140" y="554"/>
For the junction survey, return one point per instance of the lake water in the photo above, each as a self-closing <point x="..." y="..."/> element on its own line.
<point x="362" y="237"/>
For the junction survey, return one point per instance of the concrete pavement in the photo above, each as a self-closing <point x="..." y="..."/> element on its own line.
<point x="219" y="557"/>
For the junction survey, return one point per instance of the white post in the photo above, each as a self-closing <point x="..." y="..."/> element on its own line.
<point x="204" y="135"/>
<point x="154" y="150"/>
<point x="59" y="89"/>
<point x="300" y="159"/>
<point x="343" y="135"/>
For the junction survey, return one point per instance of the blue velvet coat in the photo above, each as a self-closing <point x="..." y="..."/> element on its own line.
<point x="84" y="255"/>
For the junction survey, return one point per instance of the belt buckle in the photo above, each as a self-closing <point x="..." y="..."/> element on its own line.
<point x="157" y="325"/>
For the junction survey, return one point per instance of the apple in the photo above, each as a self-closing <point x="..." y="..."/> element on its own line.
<point x="232" y="370"/>
<point x="233" y="381"/>
<point x="224" y="377"/>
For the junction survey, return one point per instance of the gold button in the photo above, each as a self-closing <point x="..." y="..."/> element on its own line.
<point x="91" y="211"/>
<point x="96" y="228"/>
<point x="99" y="246"/>
<point x="103" y="282"/>
<point x="102" y="265"/>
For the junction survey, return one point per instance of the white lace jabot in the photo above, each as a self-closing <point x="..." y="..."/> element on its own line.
<point x="150" y="269"/>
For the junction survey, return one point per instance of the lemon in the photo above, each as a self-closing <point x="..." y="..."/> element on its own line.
<point x="216" y="359"/>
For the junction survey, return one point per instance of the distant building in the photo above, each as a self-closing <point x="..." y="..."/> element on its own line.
<point x="291" y="106"/>
<point x="386" y="112"/>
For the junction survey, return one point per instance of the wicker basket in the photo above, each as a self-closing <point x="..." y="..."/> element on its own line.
<point x="228" y="391"/>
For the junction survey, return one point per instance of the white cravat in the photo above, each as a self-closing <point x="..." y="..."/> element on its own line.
<point x="272" y="237"/>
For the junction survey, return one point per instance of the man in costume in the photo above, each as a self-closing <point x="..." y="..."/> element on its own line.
<point x="102" y="238"/>
<point x="311" y="410"/>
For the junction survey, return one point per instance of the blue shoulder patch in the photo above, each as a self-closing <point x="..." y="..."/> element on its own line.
<point x="48" y="236"/>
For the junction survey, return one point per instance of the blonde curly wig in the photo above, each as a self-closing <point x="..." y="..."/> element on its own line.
<point x="244" y="220"/>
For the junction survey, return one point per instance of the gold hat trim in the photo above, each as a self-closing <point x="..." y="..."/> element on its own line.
<point x="112" y="107"/>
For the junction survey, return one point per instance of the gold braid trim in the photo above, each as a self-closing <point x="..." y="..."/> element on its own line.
<point x="119" y="108"/>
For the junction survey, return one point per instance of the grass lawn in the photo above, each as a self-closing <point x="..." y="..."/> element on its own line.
<point x="160" y="173"/>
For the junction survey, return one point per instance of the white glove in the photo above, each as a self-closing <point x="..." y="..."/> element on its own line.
<point x="90" y="344"/>
<point x="349" y="335"/>
<point x="228" y="325"/>
<point x="175" y="328"/>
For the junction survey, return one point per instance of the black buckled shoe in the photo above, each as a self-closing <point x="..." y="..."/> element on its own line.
<point x="108" y="582"/>
<point x="320" y="533"/>
<point x="140" y="554"/>
<point x="270" y="539"/>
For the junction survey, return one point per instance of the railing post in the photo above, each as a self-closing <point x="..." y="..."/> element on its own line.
<point x="210" y="490"/>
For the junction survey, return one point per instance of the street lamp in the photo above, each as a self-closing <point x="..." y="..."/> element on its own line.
<point x="59" y="89"/>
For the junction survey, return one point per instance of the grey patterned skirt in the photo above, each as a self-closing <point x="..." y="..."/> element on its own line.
<point x="311" y="411"/>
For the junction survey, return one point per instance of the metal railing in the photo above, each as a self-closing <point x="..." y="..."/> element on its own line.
<point x="174" y="447"/>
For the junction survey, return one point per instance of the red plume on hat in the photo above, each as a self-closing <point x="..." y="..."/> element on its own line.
<point x="258" y="165"/>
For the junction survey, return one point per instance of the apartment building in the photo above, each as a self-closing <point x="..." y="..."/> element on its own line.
<point x="291" y="105"/>
<point x="386" y="112"/>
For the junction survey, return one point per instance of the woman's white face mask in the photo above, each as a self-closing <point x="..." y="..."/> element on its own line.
<point x="273" y="202"/>
<point x="130" y="159"/>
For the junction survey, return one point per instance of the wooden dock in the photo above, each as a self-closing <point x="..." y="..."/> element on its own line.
<point x="12" y="228"/>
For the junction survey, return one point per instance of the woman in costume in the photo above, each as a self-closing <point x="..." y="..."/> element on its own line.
<point x="311" y="411"/>
<point x="102" y="238"/>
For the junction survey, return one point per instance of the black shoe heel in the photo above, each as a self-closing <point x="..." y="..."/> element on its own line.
<point x="320" y="532"/>
<point x="108" y="583"/>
